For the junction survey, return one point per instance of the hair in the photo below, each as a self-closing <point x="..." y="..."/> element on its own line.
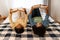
<point x="19" y="30"/>
<point x="40" y="31"/>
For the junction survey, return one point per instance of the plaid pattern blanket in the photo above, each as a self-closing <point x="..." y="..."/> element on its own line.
<point x="52" y="33"/>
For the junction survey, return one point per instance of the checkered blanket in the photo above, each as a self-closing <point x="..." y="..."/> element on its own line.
<point x="52" y="33"/>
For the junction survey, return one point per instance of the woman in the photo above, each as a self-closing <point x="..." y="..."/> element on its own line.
<point x="21" y="22"/>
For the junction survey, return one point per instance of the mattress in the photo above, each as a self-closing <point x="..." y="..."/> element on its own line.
<point x="52" y="33"/>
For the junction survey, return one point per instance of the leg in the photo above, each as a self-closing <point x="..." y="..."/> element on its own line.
<point x="31" y="20"/>
<point x="46" y="21"/>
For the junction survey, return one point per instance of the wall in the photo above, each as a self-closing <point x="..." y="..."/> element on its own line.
<point x="46" y="2"/>
<point x="25" y="3"/>
<point x="55" y="9"/>
<point x="5" y="5"/>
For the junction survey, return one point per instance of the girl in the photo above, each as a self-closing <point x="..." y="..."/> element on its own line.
<point x="21" y="22"/>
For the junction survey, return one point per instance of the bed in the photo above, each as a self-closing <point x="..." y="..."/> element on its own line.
<point x="52" y="33"/>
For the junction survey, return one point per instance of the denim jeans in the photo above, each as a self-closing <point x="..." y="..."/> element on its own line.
<point x="31" y="20"/>
<point x="45" y="22"/>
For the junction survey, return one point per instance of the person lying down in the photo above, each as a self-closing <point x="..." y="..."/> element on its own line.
<point x="21" y="22"/>
<point x="35" y="18"/>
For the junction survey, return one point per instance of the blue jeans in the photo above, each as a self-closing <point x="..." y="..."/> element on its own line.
<point x="45" y="22"/>
<point x="31" y="20"/>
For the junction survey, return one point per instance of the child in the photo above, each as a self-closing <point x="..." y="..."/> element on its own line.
<point x="21" y="22"/>
<point x="35" y="19"/>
